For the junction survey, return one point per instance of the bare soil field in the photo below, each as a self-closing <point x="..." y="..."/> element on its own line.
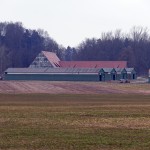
<point x="53" y="87"/>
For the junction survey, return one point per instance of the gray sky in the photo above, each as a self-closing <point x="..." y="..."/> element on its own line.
<point x="71" y="21"/>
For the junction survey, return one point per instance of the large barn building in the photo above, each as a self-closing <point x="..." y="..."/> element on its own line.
<point x="47" y="66"/>
<point x="50" y="59"/>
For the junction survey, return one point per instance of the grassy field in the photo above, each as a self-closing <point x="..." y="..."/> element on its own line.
<point x="74" y="122"/>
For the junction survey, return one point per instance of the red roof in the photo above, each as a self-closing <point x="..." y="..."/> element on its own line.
<point x="52" y="57"/>
<point x="93" y="64"/>
<point x="55" y="61"/>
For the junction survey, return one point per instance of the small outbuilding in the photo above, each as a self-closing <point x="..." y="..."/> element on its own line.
<point x="110" y="74"/>
<point x="131" y="73"/>
<point x="121" y="73"/>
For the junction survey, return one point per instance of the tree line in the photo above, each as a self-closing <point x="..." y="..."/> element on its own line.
<point x="19" y="46"/>
<point x="133" y="47"/>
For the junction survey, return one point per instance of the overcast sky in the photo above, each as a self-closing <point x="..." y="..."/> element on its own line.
<point x="69" y="22"/>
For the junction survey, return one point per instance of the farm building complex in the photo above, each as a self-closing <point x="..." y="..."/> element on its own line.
<point x="47" y="66"/>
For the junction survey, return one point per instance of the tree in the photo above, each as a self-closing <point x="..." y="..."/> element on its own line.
<point x="19" y="46"/>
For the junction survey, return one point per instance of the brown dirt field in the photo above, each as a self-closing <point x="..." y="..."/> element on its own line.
<point x="54" y="87"/>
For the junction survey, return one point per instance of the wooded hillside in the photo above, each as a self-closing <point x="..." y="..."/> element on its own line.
<point x="19" y="46"/>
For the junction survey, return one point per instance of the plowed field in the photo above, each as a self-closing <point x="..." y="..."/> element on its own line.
<point x="16" y="87"/>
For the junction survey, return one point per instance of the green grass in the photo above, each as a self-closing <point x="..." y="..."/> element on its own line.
<point x="74" y="122"/>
